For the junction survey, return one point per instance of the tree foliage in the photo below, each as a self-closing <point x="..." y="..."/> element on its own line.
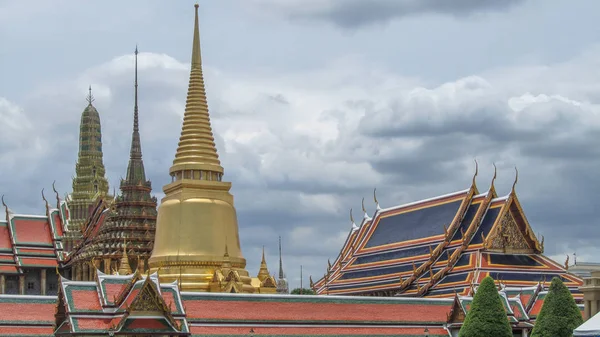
<point x="487" y="317"/>
<point x="303" y="291"/>
<point x="559" y="315"/>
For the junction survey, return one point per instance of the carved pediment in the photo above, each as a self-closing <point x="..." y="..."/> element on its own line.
<point x="456" y="315"/>
<point x="232" y="276"/>
<point x="149" y="300"/>
<point x="269" y="282"/>
<point x="508" y="237"/>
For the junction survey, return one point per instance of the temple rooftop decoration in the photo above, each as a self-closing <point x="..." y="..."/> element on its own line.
<point x="442" y="245"/>
<point x="197" y="230"/>
<point x="282" y="283"/>
<point x="90" y="181"/>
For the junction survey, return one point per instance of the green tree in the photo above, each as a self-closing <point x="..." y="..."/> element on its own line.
<point x="487" y="317"/>
<point x="303" y="291"/>
<point x="559" y="315"/>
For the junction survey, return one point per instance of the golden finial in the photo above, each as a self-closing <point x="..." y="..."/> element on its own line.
<point x="375" y="199"/>
<point x="567" y="263"/>
<point x="57" y="195"/>
<point x="328" y="264"/>
<point x="90" y="98"/>
<point x="310" y="280"/>
<point x="476" y="171"/>
<point x="462" y="233"/>
<point x="414" y="267"/>
<point x="482" y="237"/>
<point x="516" y="179"/>
<point x="46" y="202"/>
<point x="363" y="206"/>
<point x="351" y="216"/>
<point x="430" y="251"/>
<point x="3" y="203"/>
<point x="495" y="173"/>
<point x="445" y="230"/>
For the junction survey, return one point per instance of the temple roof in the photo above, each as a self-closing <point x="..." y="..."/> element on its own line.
<point x="135" y="303"/>
<point x="440" y="245"/>
<point x="32" y="240"/>
<point x="27" y="315"/>
<point x="123" y="304"/>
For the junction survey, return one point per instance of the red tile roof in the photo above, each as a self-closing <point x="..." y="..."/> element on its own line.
<point x="313" y="309"/>
<point x="26" y="331"/>
<point x="315" y="331"/>
<point x="32" y="230"/>
<point x="85" y="300"/>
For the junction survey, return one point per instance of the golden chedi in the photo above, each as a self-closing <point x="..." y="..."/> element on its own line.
<point x="197" y="220"/>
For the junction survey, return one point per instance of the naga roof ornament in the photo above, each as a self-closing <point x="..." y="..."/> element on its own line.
<point x="375" y="199"/>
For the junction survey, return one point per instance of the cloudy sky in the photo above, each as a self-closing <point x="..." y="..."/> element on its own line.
<point x="316" y="102"/>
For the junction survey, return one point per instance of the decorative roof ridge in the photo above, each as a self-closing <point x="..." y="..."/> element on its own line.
<point x="501" y="198"/>
<point x="318" y="298"/>
<point x="481" y="195"/>
<point x="426" y="200"/>
<point x="67" y="282"/>
<point x="14" y="215"/>
<point x="79" y="314"/>
<point x="16" y="296"/>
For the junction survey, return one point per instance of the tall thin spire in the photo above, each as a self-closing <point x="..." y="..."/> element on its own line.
<point x="135" y="169"/>
<point x="281" y="276"/>
<point x="196" y="149"/>
<point x="136" y="147"/>
<point x="135" y="106"/>
<point x="89" y="97"/>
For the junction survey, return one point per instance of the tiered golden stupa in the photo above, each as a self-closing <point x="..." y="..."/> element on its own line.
<point x="197" y="241"/>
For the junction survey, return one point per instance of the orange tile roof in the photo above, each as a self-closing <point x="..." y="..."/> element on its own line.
<point x="85" y="300"/>
<point x="26" y="331"/>
<point x="22" y="309"/>
<point x="316" y="309"/>
<point x="32" y="230"/>
<point x="315" y="331"/>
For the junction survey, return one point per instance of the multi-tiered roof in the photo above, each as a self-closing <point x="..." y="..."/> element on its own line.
<point x="32" y="241"/>
<point x="441" y="246"/>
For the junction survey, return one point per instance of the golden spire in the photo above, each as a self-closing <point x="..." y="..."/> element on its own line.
<point x="124" y="267"/>
<point x="263" y="272"/>
<point x="196" y="150"/>
<point x="197" y="217"/>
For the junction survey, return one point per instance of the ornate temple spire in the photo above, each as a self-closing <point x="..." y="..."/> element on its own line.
<point x="282" y="284"/>
<point x="89" y="181"/>
<point x="124" y="267"/>
<point x="135" y="169"/>
<point x="263" y="272"/>
<point x="281" y="275"/>
<point x="196" y="148"/>
<point x="197" y="201"/>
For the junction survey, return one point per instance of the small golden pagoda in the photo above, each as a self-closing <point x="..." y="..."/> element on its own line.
<point x="197" y="241"/>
